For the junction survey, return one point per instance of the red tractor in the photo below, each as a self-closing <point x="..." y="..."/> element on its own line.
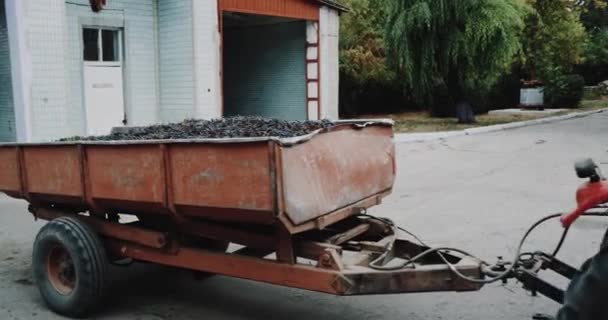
<point x="584" y="298"/>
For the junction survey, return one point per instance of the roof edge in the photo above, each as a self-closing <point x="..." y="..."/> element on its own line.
<point x="334" y="5"/>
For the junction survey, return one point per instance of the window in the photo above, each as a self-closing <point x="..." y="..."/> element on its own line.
<point x="109" y="44"/>
<point x="91" y="44"/>
<point x="101" y="45"/>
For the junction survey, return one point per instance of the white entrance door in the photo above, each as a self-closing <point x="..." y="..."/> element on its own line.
<point x="103" y="80"/>
<point x="104" y="99"/>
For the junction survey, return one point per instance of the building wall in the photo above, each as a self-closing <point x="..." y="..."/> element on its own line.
<point x="264" y="71"/>
<point x="207" y="60"/>
<point x="7" y="114"/>
<point x="172" y="61"/>
<point x="50" y="61"/>
<point x="138" y="18"/>
<point x="189" y="43"/>
<point x="46" y="43"/>
<point x="329" y="24"/>
<point x="176" y="56"/>
<point x="21" y="72"/>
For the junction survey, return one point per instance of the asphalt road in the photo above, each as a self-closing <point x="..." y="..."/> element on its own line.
<point x="478" y="193"/>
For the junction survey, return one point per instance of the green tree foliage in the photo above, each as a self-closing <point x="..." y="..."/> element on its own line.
<point x="594" y="67"/>
<point x="563" y="90"/>
<point x="367" y="84"/>
<point x="362" y="54"/>
<point x="553" y="45"/>
<point x="553" y="38"/>
<point x="596" y="48"/>
<point x="462" y="46"/>
<point x="594" y="14"/>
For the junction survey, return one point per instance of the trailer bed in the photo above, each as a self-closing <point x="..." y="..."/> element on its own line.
<point x="244" y="180"/>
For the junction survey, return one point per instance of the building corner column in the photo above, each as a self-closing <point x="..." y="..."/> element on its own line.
<point x="329" y="26"/>
<point x="206" y="40"/>
<point x="21" y="67"/>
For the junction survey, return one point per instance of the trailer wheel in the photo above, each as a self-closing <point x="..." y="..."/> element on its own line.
<point x="70" y="266"/>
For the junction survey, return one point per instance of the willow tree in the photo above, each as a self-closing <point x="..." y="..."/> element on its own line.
<point x="460" y="47"/>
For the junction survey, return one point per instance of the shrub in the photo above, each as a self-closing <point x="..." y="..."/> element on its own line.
<point x="370" y="98"/>
<point x="593" y="74"/>
<point x="504" y="94"/>
<point x="564" y="90"/>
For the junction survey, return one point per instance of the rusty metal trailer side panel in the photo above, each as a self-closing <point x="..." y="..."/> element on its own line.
<point x="53" y="171"/>
<point x="240" y="173"/>
<point x="10" y="179"/>
<point x="229" y="177"/>
<point x="125" y="174"/>
<point x="335" y="170"/>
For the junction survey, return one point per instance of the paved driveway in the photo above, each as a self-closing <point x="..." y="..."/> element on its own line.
<point x="474" y="192"/>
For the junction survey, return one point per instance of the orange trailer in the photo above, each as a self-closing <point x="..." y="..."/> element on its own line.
<point x="293" y="208"/>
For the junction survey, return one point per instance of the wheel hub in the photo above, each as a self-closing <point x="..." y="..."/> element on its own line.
<point x="61" y="271"/>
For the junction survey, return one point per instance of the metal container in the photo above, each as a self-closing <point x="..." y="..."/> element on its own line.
<point x="300" y="181"/>
<point x="532" y="97"/>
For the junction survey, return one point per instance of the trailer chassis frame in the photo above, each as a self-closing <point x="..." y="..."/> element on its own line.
<point x="335" y="260"/>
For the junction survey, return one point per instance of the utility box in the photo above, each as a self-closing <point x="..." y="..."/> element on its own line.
<point x="532" y="97"/>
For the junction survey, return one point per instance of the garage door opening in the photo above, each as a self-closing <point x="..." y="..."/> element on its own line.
<point x="8" y="132"/>
<point x="264" y="62"/>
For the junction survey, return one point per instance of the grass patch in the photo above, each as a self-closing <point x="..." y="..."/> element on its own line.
<point x="588" y="105"/>
<point x="422" y="122"/>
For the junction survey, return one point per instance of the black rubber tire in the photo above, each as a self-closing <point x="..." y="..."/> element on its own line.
<point x="604" y="244"/>
<point x="89" y="262"/>
<point x="584" y="298"/>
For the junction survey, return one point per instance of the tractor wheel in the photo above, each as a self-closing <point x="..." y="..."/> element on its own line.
<point x="70" y="267"/>
<point x="584" y="299"/>
<point x="604" y="244"/>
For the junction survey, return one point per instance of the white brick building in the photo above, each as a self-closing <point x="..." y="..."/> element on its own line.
<point x="67" y="70"/>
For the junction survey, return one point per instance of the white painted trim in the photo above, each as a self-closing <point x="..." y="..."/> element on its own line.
<point x="102" y="64"/>
<point x="207" y="74"/>
<point x="21" y="67"/>
<point x="83" y="108"/>
<point x="99" y="45"/>
<point x="195" y="75"/>
<point x="157" y="110"/>
<point x="127" y="86"/>
<point x="102" y="22"/>
<point x="329" y="26"/>
<point x="313" y="83"/>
